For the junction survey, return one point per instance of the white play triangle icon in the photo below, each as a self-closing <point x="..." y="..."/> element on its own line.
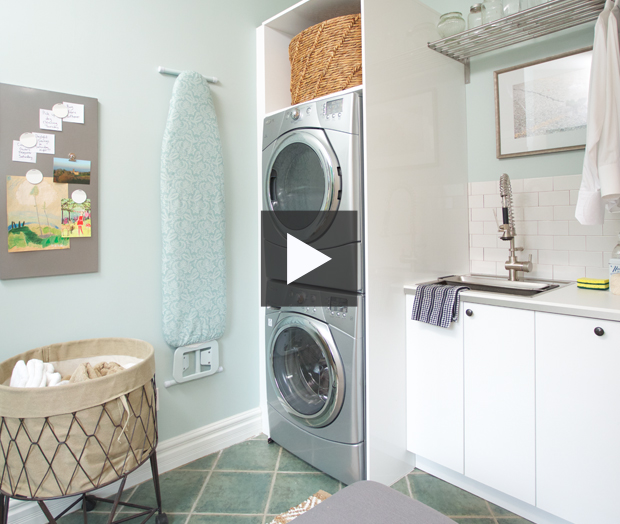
<point x="301" y="259"/>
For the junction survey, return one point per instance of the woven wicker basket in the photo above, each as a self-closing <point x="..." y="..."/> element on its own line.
<point x="326" y="58"/>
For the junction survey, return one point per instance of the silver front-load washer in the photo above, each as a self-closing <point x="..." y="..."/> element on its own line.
<point x="315" y="378"/>
<point x="312" y="187"/>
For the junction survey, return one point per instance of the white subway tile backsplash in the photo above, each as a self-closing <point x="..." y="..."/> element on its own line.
<point x="566" y="182"/>
<point x="544" y="212"/>
<point x="538" y="242"/>
<point x="485" y="188"/>
<point x="517" y="185"/>
<point x="551" y="227"/>
<point x="574" y="243"/>
<point x="483" y="267"/>
<point x="538" y="184"/>
<point x="602" y="243"/>
<point x="611" y="227"/>
<point x="574" y="195"/>
<point x="483" y="241"/>
<point x="492" y="201"/>
<point x="482" y="214"/>
<point x="518" y="213"/>
<point x="563" y="212"/>
<point x="575" y="228"/>
<point x="495" y="254"/>
<point x="476" y="228"/>
<point x="554" y="198"/>
<point x="541" y="271"/>
<point x="585" y="258"/>
<point x="526" y="228"/>
<point x="549" y="256"/>
<point x="538" y="213"/>
<point x="597" y="272"/>
<point x="490" y="228"/>
<point x="476" y="201"/>
<point x="568" y="272"/>
<point x="525" y="199"/>
<point x="476" y="253"/>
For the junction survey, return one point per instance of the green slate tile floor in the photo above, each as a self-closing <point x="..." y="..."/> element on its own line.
<point x="252" y="482"/>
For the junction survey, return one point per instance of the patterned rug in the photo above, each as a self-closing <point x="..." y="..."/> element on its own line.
<point x="307" y="504"/>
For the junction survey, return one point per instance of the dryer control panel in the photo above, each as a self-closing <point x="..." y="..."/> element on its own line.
<point x="338" y="113"/>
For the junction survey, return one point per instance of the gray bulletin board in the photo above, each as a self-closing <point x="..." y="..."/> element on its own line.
<point x="20" y="113"/>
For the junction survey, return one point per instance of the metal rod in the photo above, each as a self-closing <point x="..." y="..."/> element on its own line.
<point x="174" y="72"/>
<point x="541" y="20"/>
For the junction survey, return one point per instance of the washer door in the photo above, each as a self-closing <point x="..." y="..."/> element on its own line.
<point x="306" y="370"/>
<point x="303" y="175"/>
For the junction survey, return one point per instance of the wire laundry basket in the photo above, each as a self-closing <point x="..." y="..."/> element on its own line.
<point x="74" y="438"/>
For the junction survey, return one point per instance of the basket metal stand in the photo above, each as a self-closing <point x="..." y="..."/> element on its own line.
<point x="90" y="501"/>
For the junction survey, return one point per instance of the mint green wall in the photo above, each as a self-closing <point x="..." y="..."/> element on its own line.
<point x="483" y="164"/>
<point x="110" y="50"/>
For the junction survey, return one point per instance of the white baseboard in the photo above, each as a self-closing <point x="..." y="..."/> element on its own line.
<point x="171" y="454"/>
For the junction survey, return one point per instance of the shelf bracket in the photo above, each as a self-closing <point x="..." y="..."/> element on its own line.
<point x="467" y="71"/>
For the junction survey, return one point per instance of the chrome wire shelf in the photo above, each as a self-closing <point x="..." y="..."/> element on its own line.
<point x="537" y="21"/>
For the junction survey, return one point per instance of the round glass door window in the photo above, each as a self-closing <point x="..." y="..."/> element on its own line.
<point x="297" y="183"/>
<point x="301" y="371"/>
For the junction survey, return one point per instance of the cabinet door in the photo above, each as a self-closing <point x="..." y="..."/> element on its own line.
<point x="435" y="391"/>
<point x="500" y="399"/>
<point x="578" y="418"/>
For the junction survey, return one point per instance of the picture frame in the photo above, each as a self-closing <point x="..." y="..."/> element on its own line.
<point x="542" y="106"/>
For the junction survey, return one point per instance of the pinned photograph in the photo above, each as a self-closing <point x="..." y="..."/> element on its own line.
<point x="34" y="215"/>
<point x="68" y="171"/>
<point x="75" y="218"/>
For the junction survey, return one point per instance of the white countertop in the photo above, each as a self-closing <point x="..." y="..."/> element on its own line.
<point x="567" y="300"/>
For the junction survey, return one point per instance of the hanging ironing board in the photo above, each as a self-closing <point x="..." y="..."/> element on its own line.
<point x="193" y="217"/>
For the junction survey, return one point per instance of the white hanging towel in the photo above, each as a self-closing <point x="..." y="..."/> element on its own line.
<point x="590" y="208"/>
<point x="609" y="154"/>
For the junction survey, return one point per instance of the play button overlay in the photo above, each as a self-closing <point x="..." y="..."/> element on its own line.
<point x="301" y="259"/>
<point x="293" y="256"/>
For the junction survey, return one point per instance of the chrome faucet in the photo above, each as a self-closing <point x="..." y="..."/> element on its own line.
<point x="508" y="232"/>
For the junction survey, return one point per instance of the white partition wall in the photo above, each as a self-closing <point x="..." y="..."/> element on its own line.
<point x="416" y="200"/>
<point x="416" y="215"/>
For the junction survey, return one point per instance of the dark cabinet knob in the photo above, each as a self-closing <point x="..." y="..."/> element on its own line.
<point x="599" y="331"/>
<point x="469" y="312"/>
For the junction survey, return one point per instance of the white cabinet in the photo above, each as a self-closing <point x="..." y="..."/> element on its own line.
<point x="578" y="418"/>
<point x="435" y="391"/>
<point x="500" y="399"/>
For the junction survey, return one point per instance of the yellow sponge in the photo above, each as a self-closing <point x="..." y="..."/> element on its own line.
<point x="593" y="283"/>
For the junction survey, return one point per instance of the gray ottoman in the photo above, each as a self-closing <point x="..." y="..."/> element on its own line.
<point x="368" y="502"/>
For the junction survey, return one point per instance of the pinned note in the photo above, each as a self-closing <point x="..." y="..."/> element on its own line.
<point x="46" y="143"/>
<point x="76" y="113"/>
<point x="22" y="153"/>
<point x="48" y="120"/>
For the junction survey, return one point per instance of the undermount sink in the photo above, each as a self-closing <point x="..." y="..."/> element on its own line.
<point x="491" y="284"/>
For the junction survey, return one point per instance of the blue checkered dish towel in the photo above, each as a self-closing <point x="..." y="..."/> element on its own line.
<point x="437" y="304"/>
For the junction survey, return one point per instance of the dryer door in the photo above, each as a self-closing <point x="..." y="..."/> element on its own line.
<point x="303" y="183"/>
<point x="306" y="370"/>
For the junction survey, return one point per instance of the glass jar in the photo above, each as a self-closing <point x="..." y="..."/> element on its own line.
<point x="511" y="6"/>
<point x="492" y="10"/>
<point x="474" y="19"/>
<point x="450" y="24"/>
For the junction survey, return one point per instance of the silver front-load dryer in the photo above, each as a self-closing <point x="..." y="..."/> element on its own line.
<point x="312" y="187"/>
<point x="315" y="378"/>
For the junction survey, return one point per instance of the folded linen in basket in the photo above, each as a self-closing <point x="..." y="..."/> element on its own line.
<point x="437" y="304"/>
<point x="87" y="371"/>
<point x="35" y="374"/>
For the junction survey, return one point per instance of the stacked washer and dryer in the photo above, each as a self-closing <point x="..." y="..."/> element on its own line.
<point x="313" y="190"/>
